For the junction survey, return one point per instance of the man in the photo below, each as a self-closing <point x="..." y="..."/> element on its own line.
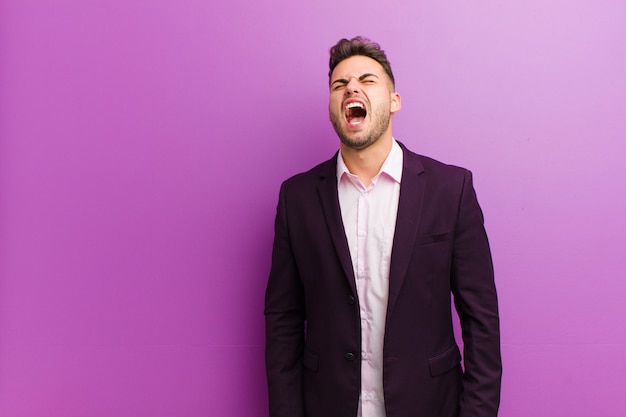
<point x="368" y="248"/>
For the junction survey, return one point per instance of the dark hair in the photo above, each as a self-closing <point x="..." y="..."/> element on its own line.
<point x="359" y="45"/>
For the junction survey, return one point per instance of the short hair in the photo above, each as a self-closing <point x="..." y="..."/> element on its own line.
<point x="359" y="45"/>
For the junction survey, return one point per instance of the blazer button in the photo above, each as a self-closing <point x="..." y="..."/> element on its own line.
<point x="351" y="300"/>
<point x="350" y="356"/>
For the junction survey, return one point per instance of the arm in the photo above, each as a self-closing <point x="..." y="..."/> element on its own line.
<point x="477" y="305"/>
<point x="284" y="324"/>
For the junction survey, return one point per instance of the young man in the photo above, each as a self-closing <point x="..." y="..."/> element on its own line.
<point x="368" y="247"/>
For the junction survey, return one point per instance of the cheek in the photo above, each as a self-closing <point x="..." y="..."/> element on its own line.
<point x="334" y="105"/>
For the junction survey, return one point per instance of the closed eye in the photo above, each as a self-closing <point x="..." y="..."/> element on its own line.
<point x="337" y="84"/>
<point x="368" y="78"/>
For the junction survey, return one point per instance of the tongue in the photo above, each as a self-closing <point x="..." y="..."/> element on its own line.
<point x="355" y="120"/>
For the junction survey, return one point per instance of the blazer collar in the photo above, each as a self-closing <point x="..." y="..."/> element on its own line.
<point x="410" y="204"/>
<point x="329" y="199"/>
<point x="409" y="214"/>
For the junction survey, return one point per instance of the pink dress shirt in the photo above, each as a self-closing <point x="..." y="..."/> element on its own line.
<point x="369" y="218"/>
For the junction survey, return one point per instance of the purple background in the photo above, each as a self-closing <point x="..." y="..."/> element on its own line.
<point x="142" y="144"/>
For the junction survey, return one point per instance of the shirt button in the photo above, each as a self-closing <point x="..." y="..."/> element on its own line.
<point x="350" y="356"/>
<point x="351" y="300"/>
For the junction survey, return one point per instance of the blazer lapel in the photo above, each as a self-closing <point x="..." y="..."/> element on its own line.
<point x="330" y="205"/>
<point x="410" y="205"/>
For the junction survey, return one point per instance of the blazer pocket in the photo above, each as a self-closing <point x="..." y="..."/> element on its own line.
<point x="310" y="360"/>
<point x="439" y="237"/>
<point x="442" y="363"/>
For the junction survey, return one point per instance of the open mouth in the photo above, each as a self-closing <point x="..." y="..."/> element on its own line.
<point x="355" y="112"/>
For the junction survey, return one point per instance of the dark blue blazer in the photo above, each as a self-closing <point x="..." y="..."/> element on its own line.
<point x="313" y="333"/>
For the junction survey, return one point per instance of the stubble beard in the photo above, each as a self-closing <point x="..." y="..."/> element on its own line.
<point x="380" y="118"/>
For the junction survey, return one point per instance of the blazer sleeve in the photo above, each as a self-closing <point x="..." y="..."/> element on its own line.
<point x="477" y="306"/>
<point x="284" y="323"/>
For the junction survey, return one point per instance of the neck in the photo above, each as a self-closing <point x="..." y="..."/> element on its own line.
<point x="366" y="163"/>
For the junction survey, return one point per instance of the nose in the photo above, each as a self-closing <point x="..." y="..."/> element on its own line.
<point x="353" y="86"/>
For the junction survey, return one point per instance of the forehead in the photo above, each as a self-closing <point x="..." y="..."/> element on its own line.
<point x="357" y="65"/>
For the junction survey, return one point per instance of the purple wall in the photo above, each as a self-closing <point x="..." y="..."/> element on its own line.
<point x="142" y="143"/>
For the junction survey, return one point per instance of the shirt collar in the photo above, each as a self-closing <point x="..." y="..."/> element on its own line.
<point x="392" y="165"/>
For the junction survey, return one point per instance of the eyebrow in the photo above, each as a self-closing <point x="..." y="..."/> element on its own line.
<point x="361" y="78"/>
<point x="364" y="76"/>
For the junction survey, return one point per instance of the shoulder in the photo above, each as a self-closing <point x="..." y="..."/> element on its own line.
<point x="312" y="177"/>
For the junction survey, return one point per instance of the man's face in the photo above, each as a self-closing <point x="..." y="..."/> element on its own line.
<point x="362" y="100"/>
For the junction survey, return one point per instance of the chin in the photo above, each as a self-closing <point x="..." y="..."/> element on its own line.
<point x="357" y="143"/>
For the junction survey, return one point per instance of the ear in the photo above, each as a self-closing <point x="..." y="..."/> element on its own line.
<point x="396" y="102"/>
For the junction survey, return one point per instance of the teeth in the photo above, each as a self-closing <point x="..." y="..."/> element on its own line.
<point x="354" y="105"/>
